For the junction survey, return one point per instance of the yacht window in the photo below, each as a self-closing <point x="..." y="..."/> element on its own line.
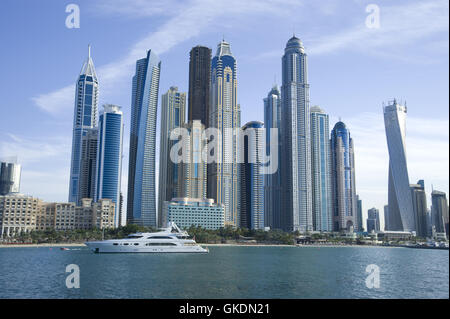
<point x="136" y="244"/>
<point x="135" y="236"/>
<point x="126" y="244"/>
<point x="115" y="244"/>
<point x="160" y="237"/>
<point x="160" y="244"/>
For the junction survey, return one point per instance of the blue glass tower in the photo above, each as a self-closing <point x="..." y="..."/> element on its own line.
<point x="141" y="208"/>
<point x="272" y="182"/>
<point x="109" y="157"/>
<point x="343" y="179"/>
<point x="85" y="118"/>
<point x="252" y="179"/>
<point x="296" y="156"/>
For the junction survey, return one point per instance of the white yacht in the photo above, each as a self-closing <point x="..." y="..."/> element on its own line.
<point x="168" y="240"/>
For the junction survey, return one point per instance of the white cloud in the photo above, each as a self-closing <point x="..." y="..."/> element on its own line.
<point x="399" y="25"/>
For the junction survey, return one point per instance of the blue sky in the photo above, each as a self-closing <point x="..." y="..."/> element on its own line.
<point x="352" y="70"/>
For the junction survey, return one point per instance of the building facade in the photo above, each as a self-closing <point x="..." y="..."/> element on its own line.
<point x="193" y="174"/>
<point x="109" y="159"/>
<point x="373" y="220"/>
<point x="9" y="177"/>
<point x="22" y="214"/>
<point x="296" y="155"/>
<point x="401" y="212"/>
<point x="272" y="182"/>
<point x="252" y="177"/>
<point x="187" y="212"/>
<point x="321" y="170"/>
<point x="84" y="119"/>
<point x="359" y="213"/>
<point x="199" y="84"/>
<point x="88" y="165"/>
<point x="141" y="201"/>
<point x="343" y="179"/>
<point x="223" y="173"/>
<point x="439" y="212"/>
<point x="18" y="214"/>
<point x="173" y="110"/>
<point x="419" y="198"/>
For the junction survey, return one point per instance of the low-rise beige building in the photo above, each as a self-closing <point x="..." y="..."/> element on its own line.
<point x="20" y="213"/>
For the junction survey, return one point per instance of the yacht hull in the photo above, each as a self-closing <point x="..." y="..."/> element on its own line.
<point x="99" y="247"/>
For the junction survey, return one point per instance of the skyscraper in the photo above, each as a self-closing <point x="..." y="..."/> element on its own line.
<point x="359" y="213"/>
<point x="252" y="179"/>
<point x="401" y="212"/>
<point x="9" y="177"/>
<point x="343" y="179"/>
<point x="141" y="206"/>
<point x="194" y="173"/>
<point x="109" y="159"/>
<point x="88" y="165"/>
<point x="173" y="110"/>
<point x="272" y="182"/>
<point x="373" y="220"/>
<point x="85" y="118"/>
<point x="439" y="212"/>
<point x="321" y="170"/>
<point x="419" y="198"/>
<point x="386" y="217"/>
<point x="223" y="175"/>
<point x="199" y="84"/>
<point x="296" y="156"/>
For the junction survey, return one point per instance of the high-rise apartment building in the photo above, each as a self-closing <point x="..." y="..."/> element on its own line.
<point x="439" y="212"/>
<point x="296" y="156"/>
<point x="343" y="179"/>
<point x="173" y="110"/>
<point x="109" y="159"/>
<point x="359" y="213"/>
<point x="193" y="174"/>
<point x="88" y="165"/>
<point x="9" y="177"/>
<point x="321" y="170"/>
<point x="223" y="174"/>
<point x="272" y="182"/>
<point x="419" y="198"/>
<point x="252" y="177"/>
<point x="141" y="201"/>
<point x="373" y="220"/>
<point x="199" y="84"/>
<point x="401" y="212"/>
<point x="84" y="119"/>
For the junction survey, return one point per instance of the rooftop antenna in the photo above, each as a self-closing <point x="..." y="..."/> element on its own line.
<point x="89" y="51"/>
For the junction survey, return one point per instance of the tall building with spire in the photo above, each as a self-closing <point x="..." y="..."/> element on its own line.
<point x="345" y="209"/>
<point x="272" y="182"/>
<point x="141" y="202"/>
<point x="199" y="84"/>
<point x="173" y="110"/>
<point x="401" y="211"/>
<point x="296" y="156"/>
<point x="109" y="157"/>
<point x="321" y="170"/>
<point x="223" y="175"/>
<point x="84" y="119"/>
